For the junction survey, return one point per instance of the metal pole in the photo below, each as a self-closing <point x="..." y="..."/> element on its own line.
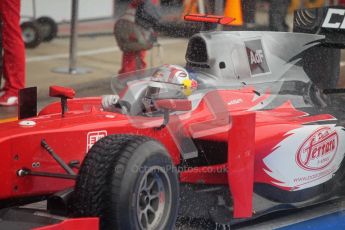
<point x="72" y="68"/>
<point x="219" y="7"/>
<point x="201" y="6"/>
<point x="114" y="8"/>
<point x="219" y="10"/>
<point x="34" y="9"/>
<point x="74" y="36"/>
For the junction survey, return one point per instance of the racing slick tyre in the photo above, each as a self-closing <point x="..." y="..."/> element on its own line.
<point x="48" y="28"/>
<point x="129" y="182"/>
<point x="31" y="34"/>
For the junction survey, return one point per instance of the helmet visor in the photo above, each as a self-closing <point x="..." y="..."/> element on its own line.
<point x="160" y="90"/>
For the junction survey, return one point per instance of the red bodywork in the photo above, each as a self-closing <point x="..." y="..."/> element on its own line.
<point x="252" y="136"/>
<point x="58" y="91"/>
<point x="209" y="18"/>
<point x="78" y="223"/>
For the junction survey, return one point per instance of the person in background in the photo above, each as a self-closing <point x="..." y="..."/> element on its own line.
<point x="277" y="15"/>
<point x="1" y="66"/>
<point x="249" y="8"/>
<point x="134" y="34"/>
<point x="14" y="52"/>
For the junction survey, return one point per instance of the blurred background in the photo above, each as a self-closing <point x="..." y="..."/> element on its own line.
<point x="82" y="53"/>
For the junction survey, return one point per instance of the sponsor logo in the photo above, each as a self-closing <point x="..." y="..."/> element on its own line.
<point x="335" y="19"/>
<point x="256" y="57"/>
<point x="93" y="137"/>
<point x="235" y="101"/>
<point x="318" y="150"/>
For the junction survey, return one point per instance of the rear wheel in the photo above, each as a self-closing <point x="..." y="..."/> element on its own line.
<point x="48" y="28"/>
<point x="130" y="183"/>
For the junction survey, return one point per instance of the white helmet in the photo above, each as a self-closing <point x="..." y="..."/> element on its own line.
<point x="168" y="82"/>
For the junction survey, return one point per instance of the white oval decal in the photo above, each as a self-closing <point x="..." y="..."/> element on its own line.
<point x="318" y="150"/>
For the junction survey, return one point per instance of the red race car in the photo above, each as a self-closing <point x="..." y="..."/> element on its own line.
<point x="239" y="132"/>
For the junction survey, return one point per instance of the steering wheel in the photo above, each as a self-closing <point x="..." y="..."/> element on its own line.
<point x="124" y="106"/>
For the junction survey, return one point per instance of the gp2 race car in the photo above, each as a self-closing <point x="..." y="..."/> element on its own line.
<point x="256" y="135"/>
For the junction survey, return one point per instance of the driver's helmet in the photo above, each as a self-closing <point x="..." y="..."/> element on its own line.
<point x="168" y="82"/>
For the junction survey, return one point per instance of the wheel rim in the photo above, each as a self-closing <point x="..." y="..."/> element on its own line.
<point x="154" y="199"/>
<point x="28" y="35"/>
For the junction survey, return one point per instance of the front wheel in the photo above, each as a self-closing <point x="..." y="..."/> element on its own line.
<point x="130" y="183"/>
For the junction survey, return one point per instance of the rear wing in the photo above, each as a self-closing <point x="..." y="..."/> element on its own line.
<point x="209" y="21"/>
<point x="222" y="20"/>
<point x="322" y="63"/>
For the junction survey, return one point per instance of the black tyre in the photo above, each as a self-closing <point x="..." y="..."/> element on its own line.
<point x="48" y="28"/>
<point x="31" y="34"/>
<point x="129" y="182"/>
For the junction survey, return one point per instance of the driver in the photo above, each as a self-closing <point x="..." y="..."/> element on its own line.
<point x="168" y="82"/>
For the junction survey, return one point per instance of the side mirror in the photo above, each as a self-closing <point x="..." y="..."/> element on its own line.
<point x="174" y="104"/>
<point x="59" y="91"/>
<point x="63" y="93"/>
<point x="168" y="105"/>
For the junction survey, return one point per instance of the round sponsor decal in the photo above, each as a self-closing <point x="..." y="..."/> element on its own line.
<point x="318" y="150"/>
